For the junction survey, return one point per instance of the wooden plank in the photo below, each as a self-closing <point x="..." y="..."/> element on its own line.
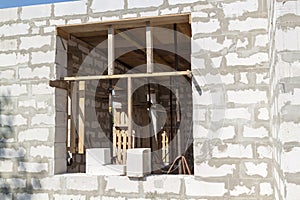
<point x="59" y="84"/>
<point x="65" y="30"/>
<point x="119" y="144"/>
<point x="115" y="142"/>
<point x="118" y="76"/>
<point x="81" y="116"/>
<point x="124" y="137"/>
<point x="111" y="50"/>
<point x="129" y="104"/>
<point x="73" y="117"/>
<point x="149" y="47"/>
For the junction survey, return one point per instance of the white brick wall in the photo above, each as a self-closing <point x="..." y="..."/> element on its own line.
<point x="117" y="183"/>
<point x="41" y="57"/>
<point x="260" y="132"/>
<point x="8" y="44"/>
<point x="42" y="151"/>
<point x="38" y="72"/>
<point x="14" y="29"/>
<point x="249" y="24"/>
<point x="207" y="170"/>
<point x="233" y="151"/>
<point x="81" y="182"/>
<point x="162" y="184"/>
<point x="234" y="59"/>
<point x="260" y="169"/>
<point x="238" y="8"/>
<point x="6" y="166"/>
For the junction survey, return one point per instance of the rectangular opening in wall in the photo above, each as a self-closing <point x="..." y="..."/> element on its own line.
<point x="128" y="87"/>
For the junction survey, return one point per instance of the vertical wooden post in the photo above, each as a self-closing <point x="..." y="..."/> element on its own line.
<point x="111" y="50"/>
<point x="73" y="116"/>
<point x="129" y="99"/>
<point x="110" y="62"/>
<point x="149" y="47"/>
<point x="81" y="117"/>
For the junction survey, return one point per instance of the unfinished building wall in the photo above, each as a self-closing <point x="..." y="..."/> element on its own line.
<point x="285" y="97"/>
<point x="231" y="123"/>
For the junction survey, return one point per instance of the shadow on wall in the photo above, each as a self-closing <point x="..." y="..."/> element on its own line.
<point x="11" y="182"/>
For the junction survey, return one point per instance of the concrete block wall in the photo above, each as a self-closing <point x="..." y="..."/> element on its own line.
<point x="244" y="114"/>
<point x="285" y="98"/>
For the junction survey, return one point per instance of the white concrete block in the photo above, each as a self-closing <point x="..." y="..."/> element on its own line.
<point x="8" y="59"/>
<point x="14" y="29"/>
<point x="162" y="184"/>
<point x="264" y="152"/>
<point x="260" y="169"/>
<point x="117" y="183"/>
<point x="15" y="183"/>
<point x="81" y="182"/>
<point x="13" y="90"/>
<point x="36" y="11"/>
<point x="8" y="44"/>
<point x="49" y="29"/>
<point x="210" y="44"/>
<point x="138" y="162"/>
<point x="261" y="40"/>
<point x="263" y="114"/>
<point x="144" y="3"/>
<point x="199" y="131"/>
<point x="38" y="196"/>
<point x="205" y="27"/>
<point x="56" y="22"/>
<point x="292" y="191"/>
<point x="12" y="153"/>
<point x="74" y="21"/>
<point x="70" y="8"/>
<point x="42" y="151"/>
<point x="289" y="160"/>
<point x="202" y="188"/>
<point x="260" y="132"/>
<point x="36" y="73"/>
<point x="106" y="170"/>
<point x="225" y="133"/>
<point x="42" y="119"/>
<point x="197" y="63"/>
<point x="42" y="88"/>
<point x="247" y="96"/>
<point x="41" y="57"/>
<point x="149" y="13"/>
<point x="110" y="18"/>
<point x="98" y="156"/>
<point x="216" y="62"/>
<point x="69" y="197"/>
<point x="262" y="78"/>
<point x="129" y="15"/>
<point x="22" y="58"/>
<point x="168" y="11"/>
<point x="233" y="151"/>
<point x="238" y="8"/>
<point x="7" y="74"/>
<point x="8" y="14"/>
<point x="265" y="189"/>
<point x="37" y="134"/>
<point x="199" y="114"/>
<point x="244" y="78"/>
<point x="48" y="183"/>
<point x="103" y="6"/>
<point x="32" y="167"/>
<point x="231" y="114"/>
<point x="13" y="120"/>
<point x="35" y="42"/>
<point x="174" y="2"/>
<point x="242" y="189"/>
<point x="206" y="170"/>
<point x="6" y="166"/>
<point x="249" y="24"/>
<point x="233" y="59"/>
<point x="289" y="132"/>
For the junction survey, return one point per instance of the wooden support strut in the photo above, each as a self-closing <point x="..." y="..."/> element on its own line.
<point x="140" y="75"/>
<point x="81" y="116"/>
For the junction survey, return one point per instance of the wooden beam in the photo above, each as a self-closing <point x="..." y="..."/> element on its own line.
<point x="74" y="87"/>
<point x="111" y="51"/>
<point x="81" y="116"/>
<point x="121" y="24"/>
<point x="149" y="47"/>
<point x="129" y="99"/>
<point x="140" y="75"/>
<point x="59" y="84"/>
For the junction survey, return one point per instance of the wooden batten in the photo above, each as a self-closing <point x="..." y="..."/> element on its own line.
<point x="73" y="117"/>
<point x="149" y="47"/>
<point x="81" y="117"/>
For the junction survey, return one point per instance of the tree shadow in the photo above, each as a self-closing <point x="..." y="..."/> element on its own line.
<point x="11" y="181"/>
